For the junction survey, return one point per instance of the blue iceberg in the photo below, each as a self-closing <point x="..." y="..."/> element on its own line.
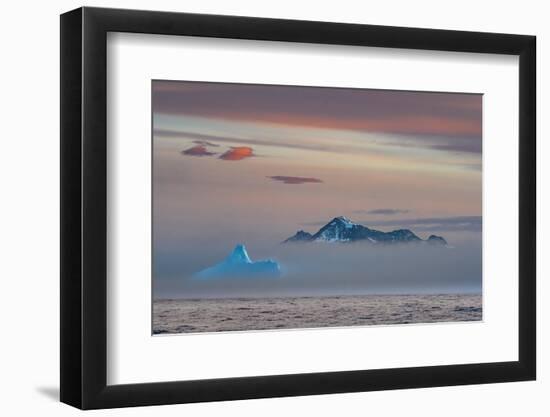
<point x="239" y="265"/>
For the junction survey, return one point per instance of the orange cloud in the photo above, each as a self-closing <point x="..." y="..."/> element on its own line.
<point x="237" y="153"/>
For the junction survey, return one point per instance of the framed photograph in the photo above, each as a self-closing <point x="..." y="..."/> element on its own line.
<point x="258" y="208"/>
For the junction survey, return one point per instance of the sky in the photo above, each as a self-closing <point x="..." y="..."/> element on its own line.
<point x="252" y="164"/>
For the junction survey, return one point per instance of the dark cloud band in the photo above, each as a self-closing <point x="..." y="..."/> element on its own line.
<point x="425" y="224"/>
<point x="385" y="111"/>
<point x="295" y="180"/>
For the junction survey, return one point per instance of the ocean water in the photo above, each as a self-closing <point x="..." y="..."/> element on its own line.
<point x="238" y="314"/>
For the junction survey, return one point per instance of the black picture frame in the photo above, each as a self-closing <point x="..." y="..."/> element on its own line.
<point x="84" y="207"/>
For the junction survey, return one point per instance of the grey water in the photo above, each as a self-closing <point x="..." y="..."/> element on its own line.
<point x="171" y="316"/>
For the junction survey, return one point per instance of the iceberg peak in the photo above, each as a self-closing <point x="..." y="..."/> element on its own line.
<point x="239" y="255"/>
<point x="239" y="265"/>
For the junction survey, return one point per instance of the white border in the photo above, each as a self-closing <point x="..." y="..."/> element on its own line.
<point x="134" y="356"/>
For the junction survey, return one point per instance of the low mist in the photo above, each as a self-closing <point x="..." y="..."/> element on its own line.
<point x="318" y="269"/>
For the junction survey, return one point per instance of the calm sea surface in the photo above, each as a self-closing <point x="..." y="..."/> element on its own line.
<point x="190" y="316"/>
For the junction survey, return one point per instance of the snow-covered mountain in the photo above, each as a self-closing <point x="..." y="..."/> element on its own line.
<point x="239" y="265"/>
<point x="341" y="229"/>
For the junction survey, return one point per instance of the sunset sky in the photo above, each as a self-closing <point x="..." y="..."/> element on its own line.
<point x="238" y="163"/>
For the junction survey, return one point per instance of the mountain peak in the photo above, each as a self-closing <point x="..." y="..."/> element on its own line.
<point x="436" y="240"/>
<point x="300" y="236"/>
<point x="342" y="219"/>
<point x="342" y="230"/>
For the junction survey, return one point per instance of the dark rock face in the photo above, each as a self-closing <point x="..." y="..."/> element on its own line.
<point x="341" y="229"/>
<point x="436" y="240"/>
<point x="300" y="236"/>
